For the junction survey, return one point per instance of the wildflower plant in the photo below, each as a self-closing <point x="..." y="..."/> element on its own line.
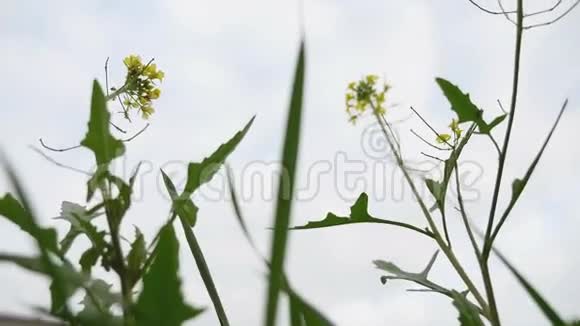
<point x="148" y="291"/>
<point x="476" y="306"/>
<point x="149" y="288"/>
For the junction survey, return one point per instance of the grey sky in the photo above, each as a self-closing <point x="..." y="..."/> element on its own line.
<point x="228" y="60"/>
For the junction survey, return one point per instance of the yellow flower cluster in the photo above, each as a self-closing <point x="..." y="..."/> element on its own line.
<point x="445" y="138"/>
<point x="140" y="87"/>
<point x="363" y="95"/>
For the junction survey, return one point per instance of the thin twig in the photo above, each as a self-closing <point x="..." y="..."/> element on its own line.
<point x="428" y="143"/>
<point x="501" y="107"/>
<point x="565" y="13"/>
<point x="430" y="127"/>
<point x="556" y="5"/>
<point x="505" y="13"/>
<point x="137" y="134"/>
<point x="55" y="162"/>
<point x="117" y="127"/>
<point x="107" y="75"/>
<point x="433" y="157"/>
<point x="491" y="12"/>
<point x="57" y="149"/>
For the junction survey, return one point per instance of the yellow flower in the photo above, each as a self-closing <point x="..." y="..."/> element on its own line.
<point x="147" y="111"/>
<point x="132" y="62"/>
<point x="454" y="125"/>
<point x="372" y="79"/>
<point x="155" y="93"/>
<point x="152" y="72"/>
<point x="443" y="138"/>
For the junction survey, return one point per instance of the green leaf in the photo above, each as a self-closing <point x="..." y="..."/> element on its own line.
<point x="97" y="305"/>
<point x="98" y="138"/>
<point x="33" y="264"/>
<point x="285" y="189"/>
<point x="89" y="258"/>
<point x="465" y="109"/>
<point x="421" y="278"/>
<point x="65" y="279"/>
<point x="437" y="189"/>
<point x="161" y="302"/>
<point x="519" y="184"/>
<point x="358" y="214"/>
<point x="200" y="173"/>
<point x="460" y="102"/>
<point x="12" y="210"/>
<point x="73" y="213"/>
<point x="495" y="122"/>
<point x="303" y="313"/>
<point x="182" y="205"/>
<point x="544" y="306"/>
<point x="45" y="241"/>
<point x="136" y="257"/>
<point x="468" y="312"/>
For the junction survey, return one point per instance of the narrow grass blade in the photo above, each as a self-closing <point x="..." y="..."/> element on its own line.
<point x="544" y="306"/>
<point x="197" y="253"/>
<point x="285" y="191"/>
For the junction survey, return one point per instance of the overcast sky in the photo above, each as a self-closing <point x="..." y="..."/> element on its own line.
<point x="226" y="61"/>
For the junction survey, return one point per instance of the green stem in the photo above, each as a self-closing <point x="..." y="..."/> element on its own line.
<point x="438" y="238"/>
<point x="204" y="272"/>
<point x="118" y="259"/>
<point x="502" y="158"/>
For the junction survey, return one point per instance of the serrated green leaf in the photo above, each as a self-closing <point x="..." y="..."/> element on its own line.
<point x="33" y="264"/>
<point x="421" y="278"/>
<point x="358" y="214"/>
<point x="97" y="305"/>
<point x="468" y="312"/>
<point x="44" y="240"/>
<point x="98" y="138"/>
<point x="161" y="302"/>
<point x="72" y="213"/>
<point x="465" y="109"/>
<point x="12" y="210"/>
<point x="200" y="173"/>
<point x="286" y="188"/>
<point x="136" y="257"/>
<point x="460" y="102"/>
<point x="89" y="258"/>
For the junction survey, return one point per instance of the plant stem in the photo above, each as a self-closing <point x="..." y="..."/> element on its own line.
<point x="205" y="273"/>
<point x="119" y="261"/>
<point x="502" y="157"/>
<point x="438" y="238"/>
